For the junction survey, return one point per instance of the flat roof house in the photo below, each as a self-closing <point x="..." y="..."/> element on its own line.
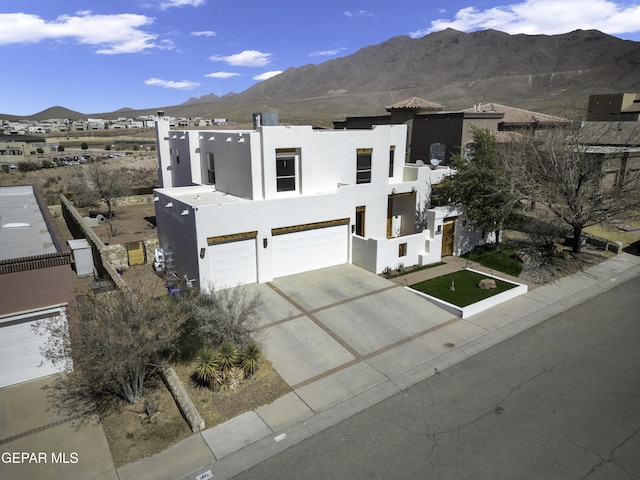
<point x="36" y="282"/>
<point x="250" y="206"/>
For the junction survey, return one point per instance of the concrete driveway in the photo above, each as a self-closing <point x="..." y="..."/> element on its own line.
<point x="56" y="449"/>
<point x="334" y="332"/>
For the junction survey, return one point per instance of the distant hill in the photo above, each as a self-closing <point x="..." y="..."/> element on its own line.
<point x="211" y="97"/>
<point x="52" y="112"/>
<point x="539" y="72"/>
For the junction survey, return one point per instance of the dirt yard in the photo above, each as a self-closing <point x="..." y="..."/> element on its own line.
<point x="133" y="434"/>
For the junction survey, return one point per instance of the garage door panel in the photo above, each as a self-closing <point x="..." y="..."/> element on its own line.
<point x="309" y="250"/>
<point x="20" y="357"/>
<point x="233" y="263"/>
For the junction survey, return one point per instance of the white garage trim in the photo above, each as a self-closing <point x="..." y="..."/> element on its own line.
<point x="308" y="248"/>
<point x="232" y="260"/>
<point x="20" y="356"/>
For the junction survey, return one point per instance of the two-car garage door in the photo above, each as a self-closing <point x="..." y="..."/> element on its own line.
<point x="233" y="259"/>
<point x="307" y="247"/>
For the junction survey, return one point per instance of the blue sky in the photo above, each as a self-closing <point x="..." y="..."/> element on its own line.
<point x="98" y="56"/>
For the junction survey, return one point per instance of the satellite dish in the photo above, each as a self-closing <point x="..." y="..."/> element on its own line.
<point x="434" y="162"/>
<point x="419" y="163"/>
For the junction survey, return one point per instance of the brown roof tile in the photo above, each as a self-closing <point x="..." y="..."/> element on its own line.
<point x="415" y="103"/>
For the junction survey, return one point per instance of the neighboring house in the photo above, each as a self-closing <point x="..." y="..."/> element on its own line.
<point x="617" y="144"/>
<point x="614" y="107"/>
<point x="15" y="148"/>
<point x="253" y="205"/>
<point x="437" y="134"/>
<point x="36" y="282"/>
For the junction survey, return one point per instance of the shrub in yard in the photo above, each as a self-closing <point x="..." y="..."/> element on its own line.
<point x="220" y="316"/>
<point x="227" y="356"/>
<point x="250" y="357"/>
<point x="207" y="373"/>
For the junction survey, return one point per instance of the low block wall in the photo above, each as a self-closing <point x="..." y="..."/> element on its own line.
<point x="188" y="409"/>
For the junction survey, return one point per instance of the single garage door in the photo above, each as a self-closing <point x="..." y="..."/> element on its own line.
<point x="307" y="247"/>
<point x="20" y="357"/>
<point x="232" y="259"/>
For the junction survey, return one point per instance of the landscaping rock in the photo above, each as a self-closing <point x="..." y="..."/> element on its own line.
<point x="487" y="284"/>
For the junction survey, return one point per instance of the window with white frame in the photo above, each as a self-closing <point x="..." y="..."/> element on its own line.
<point x="363" y="165"/>
<point x="286" y="169"/>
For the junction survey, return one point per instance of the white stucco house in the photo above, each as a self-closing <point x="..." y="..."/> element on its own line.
<point x="249" y="206"/>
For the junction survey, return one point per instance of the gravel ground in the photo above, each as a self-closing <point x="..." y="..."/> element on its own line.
<point x="542" y="267"/>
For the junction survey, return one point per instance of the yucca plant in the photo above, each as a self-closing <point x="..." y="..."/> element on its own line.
<point x="227" y="356"/>
<point x="250" y="358"/>
<point x="207" y="371"/>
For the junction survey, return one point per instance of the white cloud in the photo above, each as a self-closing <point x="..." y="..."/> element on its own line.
<point x="113" y="34"/>
<point x="204" y="33"/>
<point x="358" y="13"/>
<point x="247" y="58"/>
<point x="222" y="75"/>
<point x="180" y="3"/>
<point x="545" y="17"/>
<point x="267" y="75"/>
<point x="327" y="53"/>
<point x="183" y="85"/>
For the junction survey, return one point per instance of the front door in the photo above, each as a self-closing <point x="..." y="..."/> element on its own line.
<point x="448" y="235"/>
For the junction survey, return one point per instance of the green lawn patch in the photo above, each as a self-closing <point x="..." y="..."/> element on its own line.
<point x="502" y="260"/>
<point x="466" y="291"/>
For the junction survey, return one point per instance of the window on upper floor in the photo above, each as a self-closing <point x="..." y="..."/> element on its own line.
<point x="363" y="165"/>
<point x="286" y="169"/>
<point x="211" y="170"/>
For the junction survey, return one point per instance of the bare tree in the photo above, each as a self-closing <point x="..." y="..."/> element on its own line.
<point x="581" y="173"/>
<point x="101" y="182"/>
<point x="117" y="342"/>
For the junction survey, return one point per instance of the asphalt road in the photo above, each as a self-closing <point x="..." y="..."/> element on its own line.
<point x="559" y="401"/>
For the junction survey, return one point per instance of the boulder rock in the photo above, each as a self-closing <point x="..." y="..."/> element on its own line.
<point x="487" y="284"/>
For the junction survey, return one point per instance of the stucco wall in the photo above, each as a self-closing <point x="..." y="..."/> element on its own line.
<point x="327" y="191"/>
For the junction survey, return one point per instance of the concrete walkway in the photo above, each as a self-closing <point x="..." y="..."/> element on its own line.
<point x="345" y="339"/>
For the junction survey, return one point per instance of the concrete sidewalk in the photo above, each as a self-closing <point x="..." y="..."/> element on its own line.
<point x="371" y="375"/>
<point x="343" y="339"/>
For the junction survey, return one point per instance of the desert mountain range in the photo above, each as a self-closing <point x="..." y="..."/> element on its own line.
<point x="546" y="73"/>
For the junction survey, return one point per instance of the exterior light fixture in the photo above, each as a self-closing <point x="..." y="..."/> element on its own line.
<point x="265" y="242"/>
